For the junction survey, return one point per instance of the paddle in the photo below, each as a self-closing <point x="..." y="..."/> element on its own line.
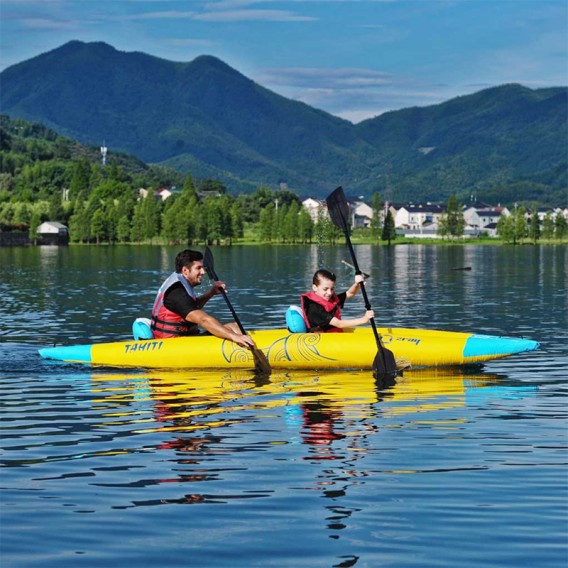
<point x="384" y="364"/>
<point x="261" y="363"/>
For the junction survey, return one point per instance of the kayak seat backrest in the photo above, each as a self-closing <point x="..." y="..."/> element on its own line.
<point x="295" y="320"/>
<point x="141" y="329"/>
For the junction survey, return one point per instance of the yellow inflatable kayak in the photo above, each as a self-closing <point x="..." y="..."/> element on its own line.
<point x="353" y="349"/>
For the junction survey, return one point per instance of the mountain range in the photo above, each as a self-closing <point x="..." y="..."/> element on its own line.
<point x="502" y="143"/>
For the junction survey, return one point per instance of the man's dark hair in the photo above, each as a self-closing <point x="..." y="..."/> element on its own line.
<point x="187" y="258"/>
<point x="323" y="273"/>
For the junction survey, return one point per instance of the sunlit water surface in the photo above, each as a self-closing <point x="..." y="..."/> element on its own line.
<point x="447" y="467"/>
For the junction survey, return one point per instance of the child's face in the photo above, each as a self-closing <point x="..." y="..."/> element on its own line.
<point x="325" y="289"/>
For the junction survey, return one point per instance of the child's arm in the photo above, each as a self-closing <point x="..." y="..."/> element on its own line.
<point x="354" y="322"/>
<point x="354" y="287"/>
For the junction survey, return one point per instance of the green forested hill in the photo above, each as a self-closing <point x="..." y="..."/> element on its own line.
<point x="499" y="143"/>
<point x="206" y="118"/>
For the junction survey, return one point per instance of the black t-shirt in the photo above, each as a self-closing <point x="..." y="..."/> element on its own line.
<point x="177" y="300"/>
<point x="316" y="314"/>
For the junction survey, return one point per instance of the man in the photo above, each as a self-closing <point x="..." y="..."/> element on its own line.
<point x="177" y="310"/>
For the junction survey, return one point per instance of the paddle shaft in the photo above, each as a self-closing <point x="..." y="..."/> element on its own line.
<point x="384" y="363"/>
<point x="261" y="362"/>
<point x="213" y="276"/>
<point x="362" y="285"/>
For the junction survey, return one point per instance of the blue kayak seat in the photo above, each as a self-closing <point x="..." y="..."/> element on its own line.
<point x="141" y="329"/>
<point x="295" y="320"/>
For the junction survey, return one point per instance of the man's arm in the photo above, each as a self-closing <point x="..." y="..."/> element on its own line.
<point x="214" y="326"/>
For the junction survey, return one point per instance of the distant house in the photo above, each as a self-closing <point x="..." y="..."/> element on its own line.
<point x="163" y="193"/>
<point x="361" y="214"/>
<point x="490" y="229"/>
<point x="483" y="217"/>
<point x="53" y="233"/>
<point x="313" y="207"/>
<point x="160" y="194"/>
<point x="418" y="217"/>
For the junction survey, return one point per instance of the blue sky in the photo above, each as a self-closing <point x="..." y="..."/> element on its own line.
<point x="352" y="58"/>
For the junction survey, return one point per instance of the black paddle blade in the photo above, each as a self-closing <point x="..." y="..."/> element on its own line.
<point x="208" y="263"/>
<point x="384" y="365"/>
<point x="261" y="364"/>
<point x="338" y="208"/>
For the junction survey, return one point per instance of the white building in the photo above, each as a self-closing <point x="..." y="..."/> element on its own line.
<point x="361" y="214"/>
<point x="418" y="217"/>
<point x="314" y="206"/>
<point x="53" y="233"/>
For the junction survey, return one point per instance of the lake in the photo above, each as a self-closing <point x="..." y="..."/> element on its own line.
<point x="455" y="466"/>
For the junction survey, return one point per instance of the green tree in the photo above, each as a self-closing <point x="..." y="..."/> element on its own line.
<point x="266" y="223"/>
<point x="80" y="182"/>
<point x="98" y="226"/>
<point x="214" y="221"/>
<point x="188" y="190"/>
<point x="560" y="226"/>
<point x="150" y="217"/>
<point x="548" y="226"/>
<point x="506" y="228"/>
<point x="123" y="229"/>
<point x="35" y="222"/>
<point x="56" y="211"/>
<point x="79" y="224"/>
<point x="237" y="220"/>
<point x="534" y="225"/>
<point x="389" y="229"/>
<point x="305" y="226"/>
<point x="452" y="223"/>
<point x="290" y="232"/>
<point x="520" y="225"/>
<point x="376" y="218"/>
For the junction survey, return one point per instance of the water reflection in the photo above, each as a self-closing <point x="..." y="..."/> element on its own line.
<point x="207" y="418"/>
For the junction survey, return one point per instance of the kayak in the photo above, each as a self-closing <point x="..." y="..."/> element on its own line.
<point x="353" y="349"/>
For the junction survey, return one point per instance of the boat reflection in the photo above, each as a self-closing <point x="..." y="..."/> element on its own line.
<point x="320" y="408"/>
<point x="209" y="420"/>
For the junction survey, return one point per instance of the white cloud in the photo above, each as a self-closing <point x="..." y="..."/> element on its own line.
<point x="253" y="15"/>
<point x="355" y="93"/>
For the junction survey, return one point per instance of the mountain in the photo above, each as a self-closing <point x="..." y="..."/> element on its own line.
<point x="208" y="118"/>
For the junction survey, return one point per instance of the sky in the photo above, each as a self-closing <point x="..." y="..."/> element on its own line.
<point x="355" y="59"/>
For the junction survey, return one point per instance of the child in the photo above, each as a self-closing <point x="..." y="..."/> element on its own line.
<point x="322" y="306"/>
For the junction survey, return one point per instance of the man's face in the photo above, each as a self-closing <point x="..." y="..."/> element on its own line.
<point x="194" y="273"/>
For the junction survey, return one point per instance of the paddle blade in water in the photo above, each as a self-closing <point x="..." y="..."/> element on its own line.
<point x="261" y="364"/>
<point x="384" y="365"/>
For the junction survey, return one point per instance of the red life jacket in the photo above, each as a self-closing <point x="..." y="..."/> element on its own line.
<point x="332" y="307"/>
<point x="166" y="323"/>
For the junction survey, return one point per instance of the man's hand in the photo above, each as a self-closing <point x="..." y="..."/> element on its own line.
<point x="243" y="340"/>
<point x="217" y="287"/>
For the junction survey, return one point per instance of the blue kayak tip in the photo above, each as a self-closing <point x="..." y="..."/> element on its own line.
<point x="79" y="353"/>
<point x="484" y="345"/>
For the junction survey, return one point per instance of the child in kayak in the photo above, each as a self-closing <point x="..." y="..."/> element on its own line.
<point x="322" y="306"/>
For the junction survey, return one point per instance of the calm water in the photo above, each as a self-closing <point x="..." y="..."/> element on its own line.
<point x="454" y="467"/>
